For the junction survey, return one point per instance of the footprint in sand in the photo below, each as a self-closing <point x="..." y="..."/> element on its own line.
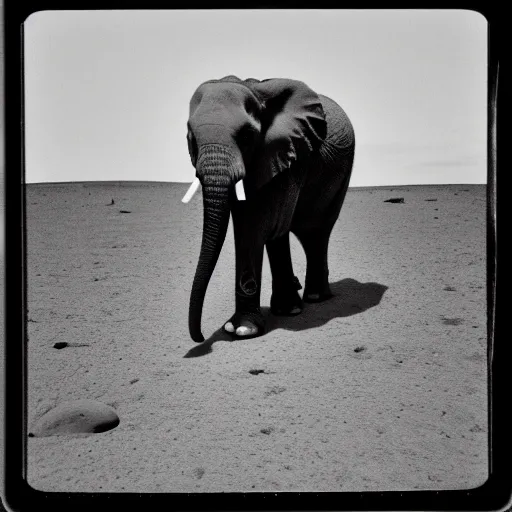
<point x="452" y="321"/>
<point x="198" y="473"/>
<point x="275" y="390"/>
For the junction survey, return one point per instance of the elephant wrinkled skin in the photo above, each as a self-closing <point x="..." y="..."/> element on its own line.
<point x="293" y="149"/>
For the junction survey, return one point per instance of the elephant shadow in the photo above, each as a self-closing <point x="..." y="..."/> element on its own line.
<point x="350" y="297"/>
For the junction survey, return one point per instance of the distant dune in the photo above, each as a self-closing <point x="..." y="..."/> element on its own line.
<point x="381" y="388"/>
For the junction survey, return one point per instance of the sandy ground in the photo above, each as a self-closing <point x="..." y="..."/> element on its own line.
<point x="381" y="388"/>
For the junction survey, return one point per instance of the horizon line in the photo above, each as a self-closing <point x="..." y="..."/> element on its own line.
<point x="156" y="182"/>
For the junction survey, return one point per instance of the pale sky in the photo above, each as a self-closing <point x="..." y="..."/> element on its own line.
<point x="107" y="92"/>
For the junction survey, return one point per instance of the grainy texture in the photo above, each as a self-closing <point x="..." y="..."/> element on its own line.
<point x="383" y="387"/>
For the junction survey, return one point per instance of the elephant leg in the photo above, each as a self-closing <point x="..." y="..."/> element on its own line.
<point x="315" y="244"/>
<point x="248" y="319"/>
<point x="285" y="299"/>
<point x="314" y="237"/>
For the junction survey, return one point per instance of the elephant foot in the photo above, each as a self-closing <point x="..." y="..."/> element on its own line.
<point x="286" y="301"/>
<point x="246" y="325"/>
<point x="313" y="295"/>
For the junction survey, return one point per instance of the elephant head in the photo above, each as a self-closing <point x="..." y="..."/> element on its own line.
<point x="240" y="135"/>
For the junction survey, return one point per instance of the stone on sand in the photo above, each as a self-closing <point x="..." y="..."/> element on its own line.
<point x="76" y="417"/>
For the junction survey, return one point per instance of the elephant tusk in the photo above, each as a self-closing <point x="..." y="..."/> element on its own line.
<point x="191" y="191"/>
<point x="239" y="189"/>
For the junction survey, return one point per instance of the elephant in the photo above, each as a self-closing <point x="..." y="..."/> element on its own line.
<point x="277" y="157"/>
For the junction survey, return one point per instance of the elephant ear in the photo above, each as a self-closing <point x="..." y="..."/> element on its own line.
<point x="293" y="126"/>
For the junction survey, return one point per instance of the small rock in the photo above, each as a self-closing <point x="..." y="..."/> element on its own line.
<point x="256" y="372"/>
<point x="76" y="417"/>
<point x="360" y="352"/>
<point x="124" y="211"/>
<point x="60" y="344"/>
<point x="395" y="200"/>
<point x="267" y="430"/>
<point x="430" y="199"/>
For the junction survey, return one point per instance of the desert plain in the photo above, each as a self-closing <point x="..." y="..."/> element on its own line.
<point x="381" y="388"/>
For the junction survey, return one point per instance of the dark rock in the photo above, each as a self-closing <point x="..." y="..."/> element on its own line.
<point x="76" y="417"/>
<point x="395" y="200"/>
<point x="124" y="211"/>
<point x="60" y="344"/>
<point x="256" y="372"/>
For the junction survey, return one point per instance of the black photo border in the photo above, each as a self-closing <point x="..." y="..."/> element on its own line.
<point x="495" y="494"/>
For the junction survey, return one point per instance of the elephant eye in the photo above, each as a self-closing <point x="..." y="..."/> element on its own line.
<point x="246" y="136"/>
<point x="251" y="106"/>
<point x="192" y="147"/>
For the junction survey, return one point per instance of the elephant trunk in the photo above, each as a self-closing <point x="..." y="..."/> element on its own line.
<point x="217" y="180"/>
